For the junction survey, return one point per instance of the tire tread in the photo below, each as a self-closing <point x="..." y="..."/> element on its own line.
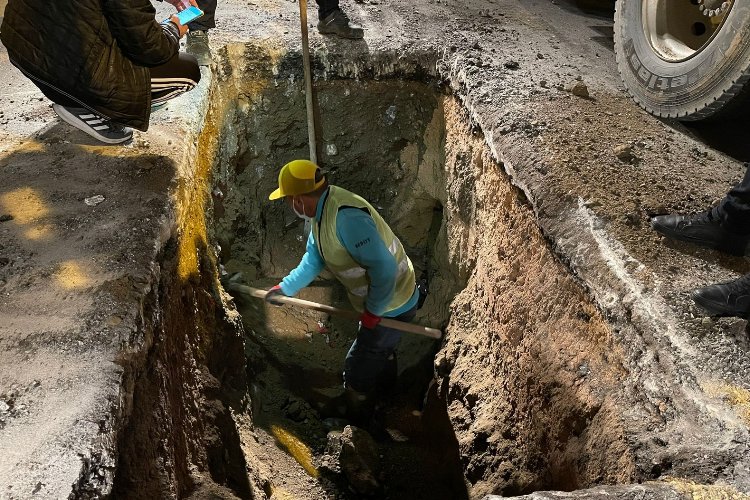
<point x="724" y="101"/>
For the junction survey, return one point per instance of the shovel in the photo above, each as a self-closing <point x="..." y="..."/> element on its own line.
<point x="248" y="291"/>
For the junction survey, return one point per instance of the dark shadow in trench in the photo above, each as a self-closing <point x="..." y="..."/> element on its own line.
<point x="432" y="444"/>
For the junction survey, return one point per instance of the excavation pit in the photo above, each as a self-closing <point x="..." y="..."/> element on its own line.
<point x="504" y="404"/>
<point x="371" y="133"/>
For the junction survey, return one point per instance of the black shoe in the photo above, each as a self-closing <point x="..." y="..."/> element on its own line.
<point x="95" y="125"/>
<point x="197" y="46"/>
<point x="725" y="299"/>
<point x="705" y="229"/>
<point x="337" y="23"/>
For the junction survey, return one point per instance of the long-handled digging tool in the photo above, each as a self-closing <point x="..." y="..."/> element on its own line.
<point x="344" y="313"/>
<point x="308" y="81"/>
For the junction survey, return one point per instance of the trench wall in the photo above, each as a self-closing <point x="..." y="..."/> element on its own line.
<point x="529" y="369"/>
<point x="185" y="365"/>
<point x="180" y="435"/>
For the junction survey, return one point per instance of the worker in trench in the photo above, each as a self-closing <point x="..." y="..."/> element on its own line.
<point x="352" y="240"/>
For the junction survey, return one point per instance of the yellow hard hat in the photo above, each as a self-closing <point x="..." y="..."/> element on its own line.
<point x="297" y="177"/>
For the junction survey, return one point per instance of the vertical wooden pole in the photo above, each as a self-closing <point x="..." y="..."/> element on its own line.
<point x="308" y="81"/>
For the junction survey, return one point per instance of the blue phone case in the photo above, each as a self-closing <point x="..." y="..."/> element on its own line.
<point x="188" y="15"/>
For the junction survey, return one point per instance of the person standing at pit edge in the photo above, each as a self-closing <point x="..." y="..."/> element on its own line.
<point x="724" y="227"/>
<point x="352" y="240"/>
<point x="332" y="21"/>
<point x="197" y="37"/>
<point x="103" y="63"/>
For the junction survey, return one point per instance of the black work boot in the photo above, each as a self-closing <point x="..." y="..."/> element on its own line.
<point x="197" y="46"/>
<point x="337" y="23"/>
<point x="725" y="299"/>
<point x="706" y="229"/>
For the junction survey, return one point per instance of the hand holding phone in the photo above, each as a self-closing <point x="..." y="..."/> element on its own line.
<point x="186" y="16"/>
<point x="181" y="28"/>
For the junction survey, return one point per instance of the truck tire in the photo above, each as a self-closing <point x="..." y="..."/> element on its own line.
<point x="677" y="62"/>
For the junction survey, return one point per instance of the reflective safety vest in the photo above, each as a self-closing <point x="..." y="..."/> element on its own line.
<point x="340" y="262"/>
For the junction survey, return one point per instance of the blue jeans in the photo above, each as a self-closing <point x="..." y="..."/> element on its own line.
<point x="371" y="360"/>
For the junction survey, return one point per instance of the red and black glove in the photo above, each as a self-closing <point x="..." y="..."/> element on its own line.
<point x="369" y="320"/>
<point x="272" y="295"/>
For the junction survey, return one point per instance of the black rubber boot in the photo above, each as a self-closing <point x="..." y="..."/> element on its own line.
<point x="337" y="23"/>
<point x="726" y="299"/>
<point x="706" y="229"/>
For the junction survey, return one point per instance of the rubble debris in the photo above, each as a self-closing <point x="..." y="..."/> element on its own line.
<point x="94" y="200"/>
<point x="579" y="89"/>
<point x="354" y="453"/>
<point x="624" y="152"/>
<point x="299" y="410"/>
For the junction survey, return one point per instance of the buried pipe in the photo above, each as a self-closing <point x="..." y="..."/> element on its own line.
<point x="390" y="323"/>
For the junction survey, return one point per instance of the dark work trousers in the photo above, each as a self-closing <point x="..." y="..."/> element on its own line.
<point x="735" y="207"/>
<point x="325" y="7"/>
<point x="371" y="360"/>
<point x="208" y="20"/>
<point x="175" y="77"/>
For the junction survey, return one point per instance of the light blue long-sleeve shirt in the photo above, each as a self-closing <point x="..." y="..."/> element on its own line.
<point x="357" y="232"/>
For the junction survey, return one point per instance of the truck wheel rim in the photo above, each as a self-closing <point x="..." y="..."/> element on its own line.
<point x="681" y="29"/>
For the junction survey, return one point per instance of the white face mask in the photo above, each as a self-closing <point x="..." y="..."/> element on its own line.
<point x="302" y="215"/>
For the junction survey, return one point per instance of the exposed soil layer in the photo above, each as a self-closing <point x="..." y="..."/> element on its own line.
<point x="181" y="436"/>
<point x="530" y="369"/>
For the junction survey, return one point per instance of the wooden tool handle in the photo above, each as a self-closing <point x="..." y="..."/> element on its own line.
<point x="308" y="82"/>
<point x="387" y="322"/>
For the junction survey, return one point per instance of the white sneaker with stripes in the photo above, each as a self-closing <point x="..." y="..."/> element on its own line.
<point x="95" y="125"/>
